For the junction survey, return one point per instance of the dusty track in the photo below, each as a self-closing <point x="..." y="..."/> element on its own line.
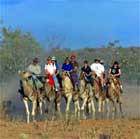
<point x="128" y="128"/>
<point x="85" y="129"/>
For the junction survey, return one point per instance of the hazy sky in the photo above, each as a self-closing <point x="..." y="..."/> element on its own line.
<point x="82" y="23"/>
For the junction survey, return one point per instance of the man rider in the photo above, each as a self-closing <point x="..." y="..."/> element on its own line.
<point x="98" y="68"/>
<point x="74" y="74"/>
<point x="87" y="71"/>
<point x="35" y="69"/>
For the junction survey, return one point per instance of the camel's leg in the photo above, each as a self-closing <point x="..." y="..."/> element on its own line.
<point x="25" y="101"/>
<point x="89" y="107"/>
<point x="108" y="106"/>
<point x="114" y="106"/>
<point x="58" y="107"/>
<point x="103" y="106"/>
<point x="76" y="106"/>
<point x="100" y="105"/>
<point x="40" y="107"/>
<point x="84" y="103"/>
<point x="68" y="103"/>
<point x="121" y="111"/>
<point x="45" y="105"/>
<point x="33" y="110"/>
<point x="92" y="106"/>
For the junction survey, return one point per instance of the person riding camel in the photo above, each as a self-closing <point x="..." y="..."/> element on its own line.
<point x="116" y="71"/>
<point x="74" y="74"/>
<point x="54" y="61"/>
<point x="68" y="67"/>
<point x="50" y="70"/>
<point x="102" y="63"/>
<point x="73" y="60"/>
<point x="98" y="68"/>
<point x="35" y="70"/>
<point x="87" y="71"/>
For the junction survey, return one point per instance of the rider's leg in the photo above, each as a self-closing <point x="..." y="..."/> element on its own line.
<point x="72" y="80"/>
<point x="59" y="80"/>
<point x="56" y="82"/>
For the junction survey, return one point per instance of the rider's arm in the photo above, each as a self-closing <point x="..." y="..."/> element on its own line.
<point x="109" y="72"/>
<point x="120" y="72"/>
<point x="46" y="70"/>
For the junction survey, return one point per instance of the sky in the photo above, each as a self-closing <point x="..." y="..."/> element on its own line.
<point x="75" y="23"/>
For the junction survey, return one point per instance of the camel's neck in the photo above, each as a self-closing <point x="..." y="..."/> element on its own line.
<point x="112" y="85"/>
<point x="82" y="85"/>
<point x="28" y="90"/>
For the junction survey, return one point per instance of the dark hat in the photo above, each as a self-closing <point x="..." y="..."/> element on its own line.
<point x="73" y="56"/>
<point x="35" y="60"/>
<point x="85" y="62"/>
<point x="97" y="59"/>
<point x="49" y="58"/>
<point x="116" y="63"/>
<point x="67" y="59"/>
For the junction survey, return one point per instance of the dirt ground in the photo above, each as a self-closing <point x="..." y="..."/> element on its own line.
<point x="84" y="129"/>
<point x="126" y="128"/>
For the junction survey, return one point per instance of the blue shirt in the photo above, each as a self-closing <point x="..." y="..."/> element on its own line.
<point x="57" y="66"/>
<point x="67" y="67"/>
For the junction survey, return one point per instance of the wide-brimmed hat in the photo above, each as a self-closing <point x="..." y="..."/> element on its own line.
<point x="102" y="62"/>
<point x="35" y="60"/>
<point x="53" y="58"/>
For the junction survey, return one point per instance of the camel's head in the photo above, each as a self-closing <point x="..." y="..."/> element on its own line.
<point x="24" y="74"/>
<point x="93" y="74"/>
<point x="82" y="75"/>
<point x="65" y="74"/>
<point x="113" y="79"/>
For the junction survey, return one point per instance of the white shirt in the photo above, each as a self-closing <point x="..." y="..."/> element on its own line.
<point x="50" y="68"/>
<point x="97" y="68"/>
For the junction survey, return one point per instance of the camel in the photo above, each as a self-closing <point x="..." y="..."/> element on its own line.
<point x="86" y="94"/>
<point x="114" y="93"/>
<point x="67" y="88"/>
<point x="99" y="94"/>
<point x="30" y="94"/>
<point x="51" y="96"/>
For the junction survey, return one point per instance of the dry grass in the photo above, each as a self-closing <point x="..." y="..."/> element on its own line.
<point x="127" y="128"/>
<point x="85" y="129"/>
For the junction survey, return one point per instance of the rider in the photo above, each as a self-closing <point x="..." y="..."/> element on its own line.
<point x="50" y="70"/>
<point x="116" y="71"/>
<point x="98" y="68"/>
<point x="67" y="66"/>
<point x="87" y="71"/>
<point x="35" y="70"/>
<point x="74" y="73"/>
<point x="54" y="61"/>
<point x="73" y="60"/>
<point x="102" y="63"/>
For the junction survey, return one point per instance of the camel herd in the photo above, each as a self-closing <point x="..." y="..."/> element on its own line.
<point x="86" y="94"/>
